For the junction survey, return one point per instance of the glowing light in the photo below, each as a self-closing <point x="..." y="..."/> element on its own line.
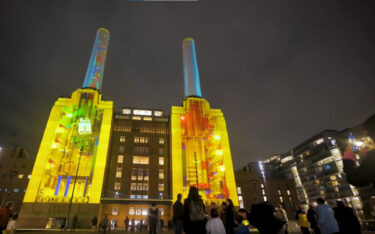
<point x="69" y="115"/>
<point x="84" y="126"/>
<point x="222" y="168"/>
<point x="219" y="152"/>
<point x="358" y="143"/>
<point x="182" y="117"/>
<point x="54" y="146"/>
<point x="217" y="137"/>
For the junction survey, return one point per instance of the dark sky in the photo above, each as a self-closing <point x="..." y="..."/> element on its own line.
<point x="280" y="71"/>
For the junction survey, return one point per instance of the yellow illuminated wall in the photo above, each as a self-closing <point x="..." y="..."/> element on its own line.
<point x="200" y="152"/>
<point x="73" y="150"/>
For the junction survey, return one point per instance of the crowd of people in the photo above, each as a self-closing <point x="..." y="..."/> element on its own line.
<point x="8" y="219"/>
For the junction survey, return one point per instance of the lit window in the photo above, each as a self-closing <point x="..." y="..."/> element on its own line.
<point x="239" y="190"/>
<point x="136" y="117"/>
<point x="134" y="173"/>
<point x="139" y="186"/>
<point x="126" y="111"/>
<point x="133" y="186"/>
<point x="142" y="112"/>
<point x="262" y="185"/>
<point x="240" y="198"/>
<point x="279" y="192"/>
<point x="29" y="176"/>
<point x="143" y="140"/>
<point x="114" y="210"/>
<point x="131" y="211"/>
<point x="145" y="196"/>
<point x="161" y="187"/>
<point x="265" y="198"/>
<point x="161" y="150"/>
<point x="118" y="172"/>
<point x="161" y="211"/>
<point x="161" y="141"/>
<point x="147" y="118"/>
<point x="145" y="187"/>
<point x="288" y="192"/>
<point x="140" y="174"/>
<point x="117" y="186"/>
<point x="132" y="196"/>
<point x="158" y="113"/>
<point x="120" y="158"/>
<point x="136" y="139"/>
<point x="140" y="160"/>
<point x="138" y="211"/>
<point x="161" y="174"/>
<point x="144" y="211"/>
<point x="116" y="195"/>
<point x="281" y="199"/>
<point x="263" y="192"/>
<point x="145" y="174"/>
<point x="122" y="138"/>
<point x="20" y="176"/>
<point x="16" y="190"/>
<point x="139" y="196"/>
<point x="161" y="160"/>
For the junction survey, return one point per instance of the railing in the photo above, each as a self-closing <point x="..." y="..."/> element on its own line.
<point x="368" y="225"/>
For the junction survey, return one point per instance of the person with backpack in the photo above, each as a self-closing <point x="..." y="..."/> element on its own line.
<point x="229" y="215"/>
<point x="302" y="221"/>
<point x="194" y="213"/>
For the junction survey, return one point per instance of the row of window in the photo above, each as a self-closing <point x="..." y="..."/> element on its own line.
<point x="139" y="186"/>
<point x="16" y="190"/>
<point x="142" y="140"/>
<point x="140" y="149"/>
<point x="145" y="160"/>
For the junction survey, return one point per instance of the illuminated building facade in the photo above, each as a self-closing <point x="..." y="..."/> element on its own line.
<point x="201" y="154"/>
<point x="68" y="173"/>
<point x="138" y="169"/>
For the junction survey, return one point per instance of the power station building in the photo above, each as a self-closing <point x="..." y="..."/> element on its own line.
<point x="95" y="161"/>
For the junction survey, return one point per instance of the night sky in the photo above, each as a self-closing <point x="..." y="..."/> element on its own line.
<point x="281" y="71"/>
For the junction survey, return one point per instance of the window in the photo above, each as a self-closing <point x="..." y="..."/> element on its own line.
<point x="161" y="160"/>
<point x="240" y="198"/>
<point x="145" y="186"/>
<point x="265" y="198"/>
<point x="126" y="111"/>
<point x="262" y="185"/>
<point x="145" y="174"/>
<point x="141" y="150"/>
<point x="281" y="199"/>
<point x="16" y="190"/>
<point x="134" y="173"/>
<point x="29" y="176"/>
<point x="161" y="174"/>
<point x="288" y="192"/>
<point x="161" y="211"/>
<point x="145" y="196"/>
<point x="140" y="174"/>
<point x="139" y="196"/>
<point x="138" y="211"/>
<point x="133" y="186"/>
<point x="147" y="118"/>
<point x="239" y="190"/>
<point x="114" y="210"/>
<point x="161" y="187"/>
<point x="144" y="211"/>
<point x="161" y="150"/>
<point x="117" y="186"/>
<point x="131" y="211"/>
<point x="119" y="172"/>
<point x="140" y="160"/>
<point x="122" y="138"/>
<point x="120" y="158"/>
<point x="132" y="196"/>
<point x="141" y="140"/>
<point x="263" y="192"/>
<point x="161" y="141"/>
<point x="158" y="113"/>
<point x="20" y="176"/>
<point x="136" y="117"/>
<point x="121" y="149"/>
<point x="279" y="192"/>
<point x="139" y="186"/>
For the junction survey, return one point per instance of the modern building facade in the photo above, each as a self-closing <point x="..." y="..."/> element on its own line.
<point x="15" y="167"/>
<point x="201" y="154"/>
<point x="258" y="182"/>
<point x="138" y="169"/>
<point x="317" y="168"/>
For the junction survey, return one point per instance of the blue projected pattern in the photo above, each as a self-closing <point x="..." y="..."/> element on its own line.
<point x="191" y="74"/>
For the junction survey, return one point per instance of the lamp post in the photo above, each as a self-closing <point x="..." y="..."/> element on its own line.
<point x="74" y="186"/>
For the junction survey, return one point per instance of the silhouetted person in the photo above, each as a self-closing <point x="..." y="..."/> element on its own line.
<point x="94" y="222"/>
<point x="240" y="228"/>
<point x="229" y="215"/>
<point x="311" y="217"/>
<point x="178" y="215"/>
<point x="302" y="221"/>
<point x="346" y="219"/>
<point x="281" y="214"/>
<point x="104" y="224"/>
<point x="74" y="223"/>
<point x="126" y="222"/>
<point x="194" y="213"/>
<point x="153" y="218"/>
<point x="11" y="227"/>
